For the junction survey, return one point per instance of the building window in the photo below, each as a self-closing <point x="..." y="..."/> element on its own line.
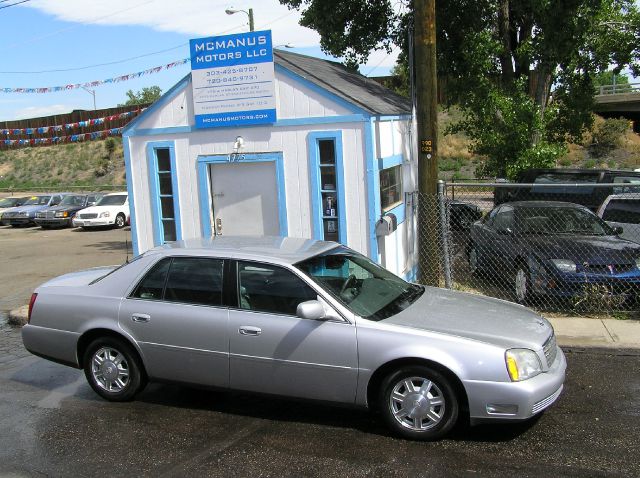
<point x="390" y="187"/>
<point x="165" y="201"/>
<point x="329" y="189"/>
<point x="327" y="186"/>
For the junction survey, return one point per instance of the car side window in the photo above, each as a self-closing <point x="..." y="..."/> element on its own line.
<point x="195" y="280"/>
<point x="271" y="289"/>
<point x="623" y="210"/>
<point x="504" y="220"/>
<point x="491" y="216"/>
<point x="152" y="285"/>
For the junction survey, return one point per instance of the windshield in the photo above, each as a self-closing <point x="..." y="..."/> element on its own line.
<point x="37" y="201"/>
<point x="72" y="201"/>
<point x="117" y="200"/>
<point x="361" y="285"/>
<point x="560" y="220"/>
<point x="8" y="202"/>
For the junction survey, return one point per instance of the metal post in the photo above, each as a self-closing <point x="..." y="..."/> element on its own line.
<point x="251" y="25"/>
<point x="444" y="234"/>
<point x="427" y="119"/>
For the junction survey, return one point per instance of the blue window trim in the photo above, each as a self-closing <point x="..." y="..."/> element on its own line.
<point x="156" y="209"/>
<point x="390" y="161"/>
<point x="373" y="187"/>
<point x="314" y="173"/>
<point x="204" y="186"/>
<point x="132" y="208"/>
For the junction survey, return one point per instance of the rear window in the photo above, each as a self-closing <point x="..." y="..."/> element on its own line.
<point x="623" y="210"/>
<point x="561" y="178"/>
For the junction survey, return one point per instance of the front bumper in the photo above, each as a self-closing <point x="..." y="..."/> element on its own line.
<point x="56" y="222"/>
<point x="516" y="400"/>
<point x="573" y="285"/>
<point x="105" y="221"/>
<point x="18" y="221"/>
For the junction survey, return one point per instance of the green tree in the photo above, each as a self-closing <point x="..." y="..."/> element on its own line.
<point x="145" y="96"/>
<point x="502" y="59"/>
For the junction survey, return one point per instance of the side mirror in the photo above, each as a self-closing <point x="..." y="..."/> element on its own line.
<point x="311" y="310"/>
<point x="618" y="230"/>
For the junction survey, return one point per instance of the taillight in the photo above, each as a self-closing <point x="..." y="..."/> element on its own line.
<point x="31" y="303"/>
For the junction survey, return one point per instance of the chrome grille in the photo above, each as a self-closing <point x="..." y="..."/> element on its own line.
<point x="87" y="216"/>
<point x="550" y="349"/>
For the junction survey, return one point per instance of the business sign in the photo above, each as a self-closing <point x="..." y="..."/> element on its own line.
<point x="233" y="80"/>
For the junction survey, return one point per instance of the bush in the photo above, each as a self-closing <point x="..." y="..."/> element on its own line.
<point x="608" y="136"/>
<point x="564" y="162"/>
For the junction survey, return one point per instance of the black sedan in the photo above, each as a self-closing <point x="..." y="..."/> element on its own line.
<point x="553" y="248"/>
<point x="62" y="214"/>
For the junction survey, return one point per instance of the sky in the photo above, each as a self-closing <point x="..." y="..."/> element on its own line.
<point x="125" y="36"/>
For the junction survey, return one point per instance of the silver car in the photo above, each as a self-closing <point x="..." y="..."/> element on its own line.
<point x="298" y="318"/>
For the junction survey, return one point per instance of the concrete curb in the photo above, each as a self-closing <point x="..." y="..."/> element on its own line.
<point x="18" y="317"/>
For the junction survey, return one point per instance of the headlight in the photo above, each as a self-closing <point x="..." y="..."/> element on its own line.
<point x="24" y="214"/>
<point x="522" y="364"/>
<point x="105" y="214"/>
<point x="637" y="260"/>
<point x="564" y="265"/>
<point x="61" y="214"/>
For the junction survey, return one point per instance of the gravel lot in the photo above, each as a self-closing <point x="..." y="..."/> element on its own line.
<point x="31" y="256"/>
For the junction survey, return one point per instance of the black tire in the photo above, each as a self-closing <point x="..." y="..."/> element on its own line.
<point x="108" y="359"/>
<point x="120" y="221"/>
<point x="437" y="405"/>
<point x="522" y="284"/>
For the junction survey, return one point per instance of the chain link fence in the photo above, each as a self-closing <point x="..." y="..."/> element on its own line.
<point x="555" y="247"/>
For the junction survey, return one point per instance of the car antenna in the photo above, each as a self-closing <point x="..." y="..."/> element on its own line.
<point x="126" y="248"/>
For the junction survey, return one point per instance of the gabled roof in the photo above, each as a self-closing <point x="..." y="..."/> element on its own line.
<point x="347" y="84"/>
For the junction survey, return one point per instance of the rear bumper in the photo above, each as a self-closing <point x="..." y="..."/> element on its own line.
<point x="516" y="400"/>
<point x="52" y="344"/>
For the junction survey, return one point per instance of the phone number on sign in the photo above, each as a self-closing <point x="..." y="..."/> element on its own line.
<point x="231" y="79"/>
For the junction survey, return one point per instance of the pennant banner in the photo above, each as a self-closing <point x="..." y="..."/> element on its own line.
<point x="93" y="84"/>
<point x="63" y="139"/>
<point x="68" y="126"/>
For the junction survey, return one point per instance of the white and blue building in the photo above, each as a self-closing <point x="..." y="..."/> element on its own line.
<point x="336" y="160"/>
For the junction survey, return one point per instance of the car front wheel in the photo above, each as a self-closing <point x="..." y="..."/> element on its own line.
<point x="113" y="369"/>
<point x="120" y="220"/>
<point x="419" y="403"/>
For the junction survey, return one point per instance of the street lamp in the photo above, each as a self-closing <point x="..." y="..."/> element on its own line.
<point x="92" y="93"/>
<point x="231" y="11"/>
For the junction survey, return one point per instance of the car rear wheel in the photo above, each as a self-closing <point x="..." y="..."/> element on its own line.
<point x="120" y="220"/>
<point x="113" y="369"/>
<point x="522" y="284"/>
<point x="418" y="403"/>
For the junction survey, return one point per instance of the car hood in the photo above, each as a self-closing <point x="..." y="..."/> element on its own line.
<point x="30" y="208"/>
<point x="99" y="209"/>
<point x="79" y="278"/>
<point x="475" y="317"/>
<point x="64" y="208"/>
<point x="601" y="250"/>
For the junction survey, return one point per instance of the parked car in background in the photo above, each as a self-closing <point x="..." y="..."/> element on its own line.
<point x="543" y="188"/>
<point x="63" y="214"/>
<point x="554" y="249"/>
<point x="8" y="203"/>
<point x="298" y="318"/>
<point x="462" y="215"/>
<point x="111" y="210"/>
<point x="623" y="211"/>
<point x="26" y="214"/>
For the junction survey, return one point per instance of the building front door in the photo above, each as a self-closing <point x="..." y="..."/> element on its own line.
<point x="245" y="199"/>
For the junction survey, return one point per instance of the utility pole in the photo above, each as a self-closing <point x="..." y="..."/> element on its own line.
<point x="426" y="81"/>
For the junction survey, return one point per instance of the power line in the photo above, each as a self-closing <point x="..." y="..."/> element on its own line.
<point x="115" y="62"/>
<point x="14" y="4"/>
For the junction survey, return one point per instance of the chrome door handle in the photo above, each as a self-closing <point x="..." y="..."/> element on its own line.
<point x="247" y="330"/>
<point x="140" y="317"/>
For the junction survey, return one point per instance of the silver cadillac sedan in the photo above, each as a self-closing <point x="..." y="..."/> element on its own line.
<point x="298" y="318"/>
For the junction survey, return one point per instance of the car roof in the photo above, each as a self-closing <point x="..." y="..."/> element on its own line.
<point x="284" y="250"/>
<point x="525" y="204"/>
<point x="116" y="193"/>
